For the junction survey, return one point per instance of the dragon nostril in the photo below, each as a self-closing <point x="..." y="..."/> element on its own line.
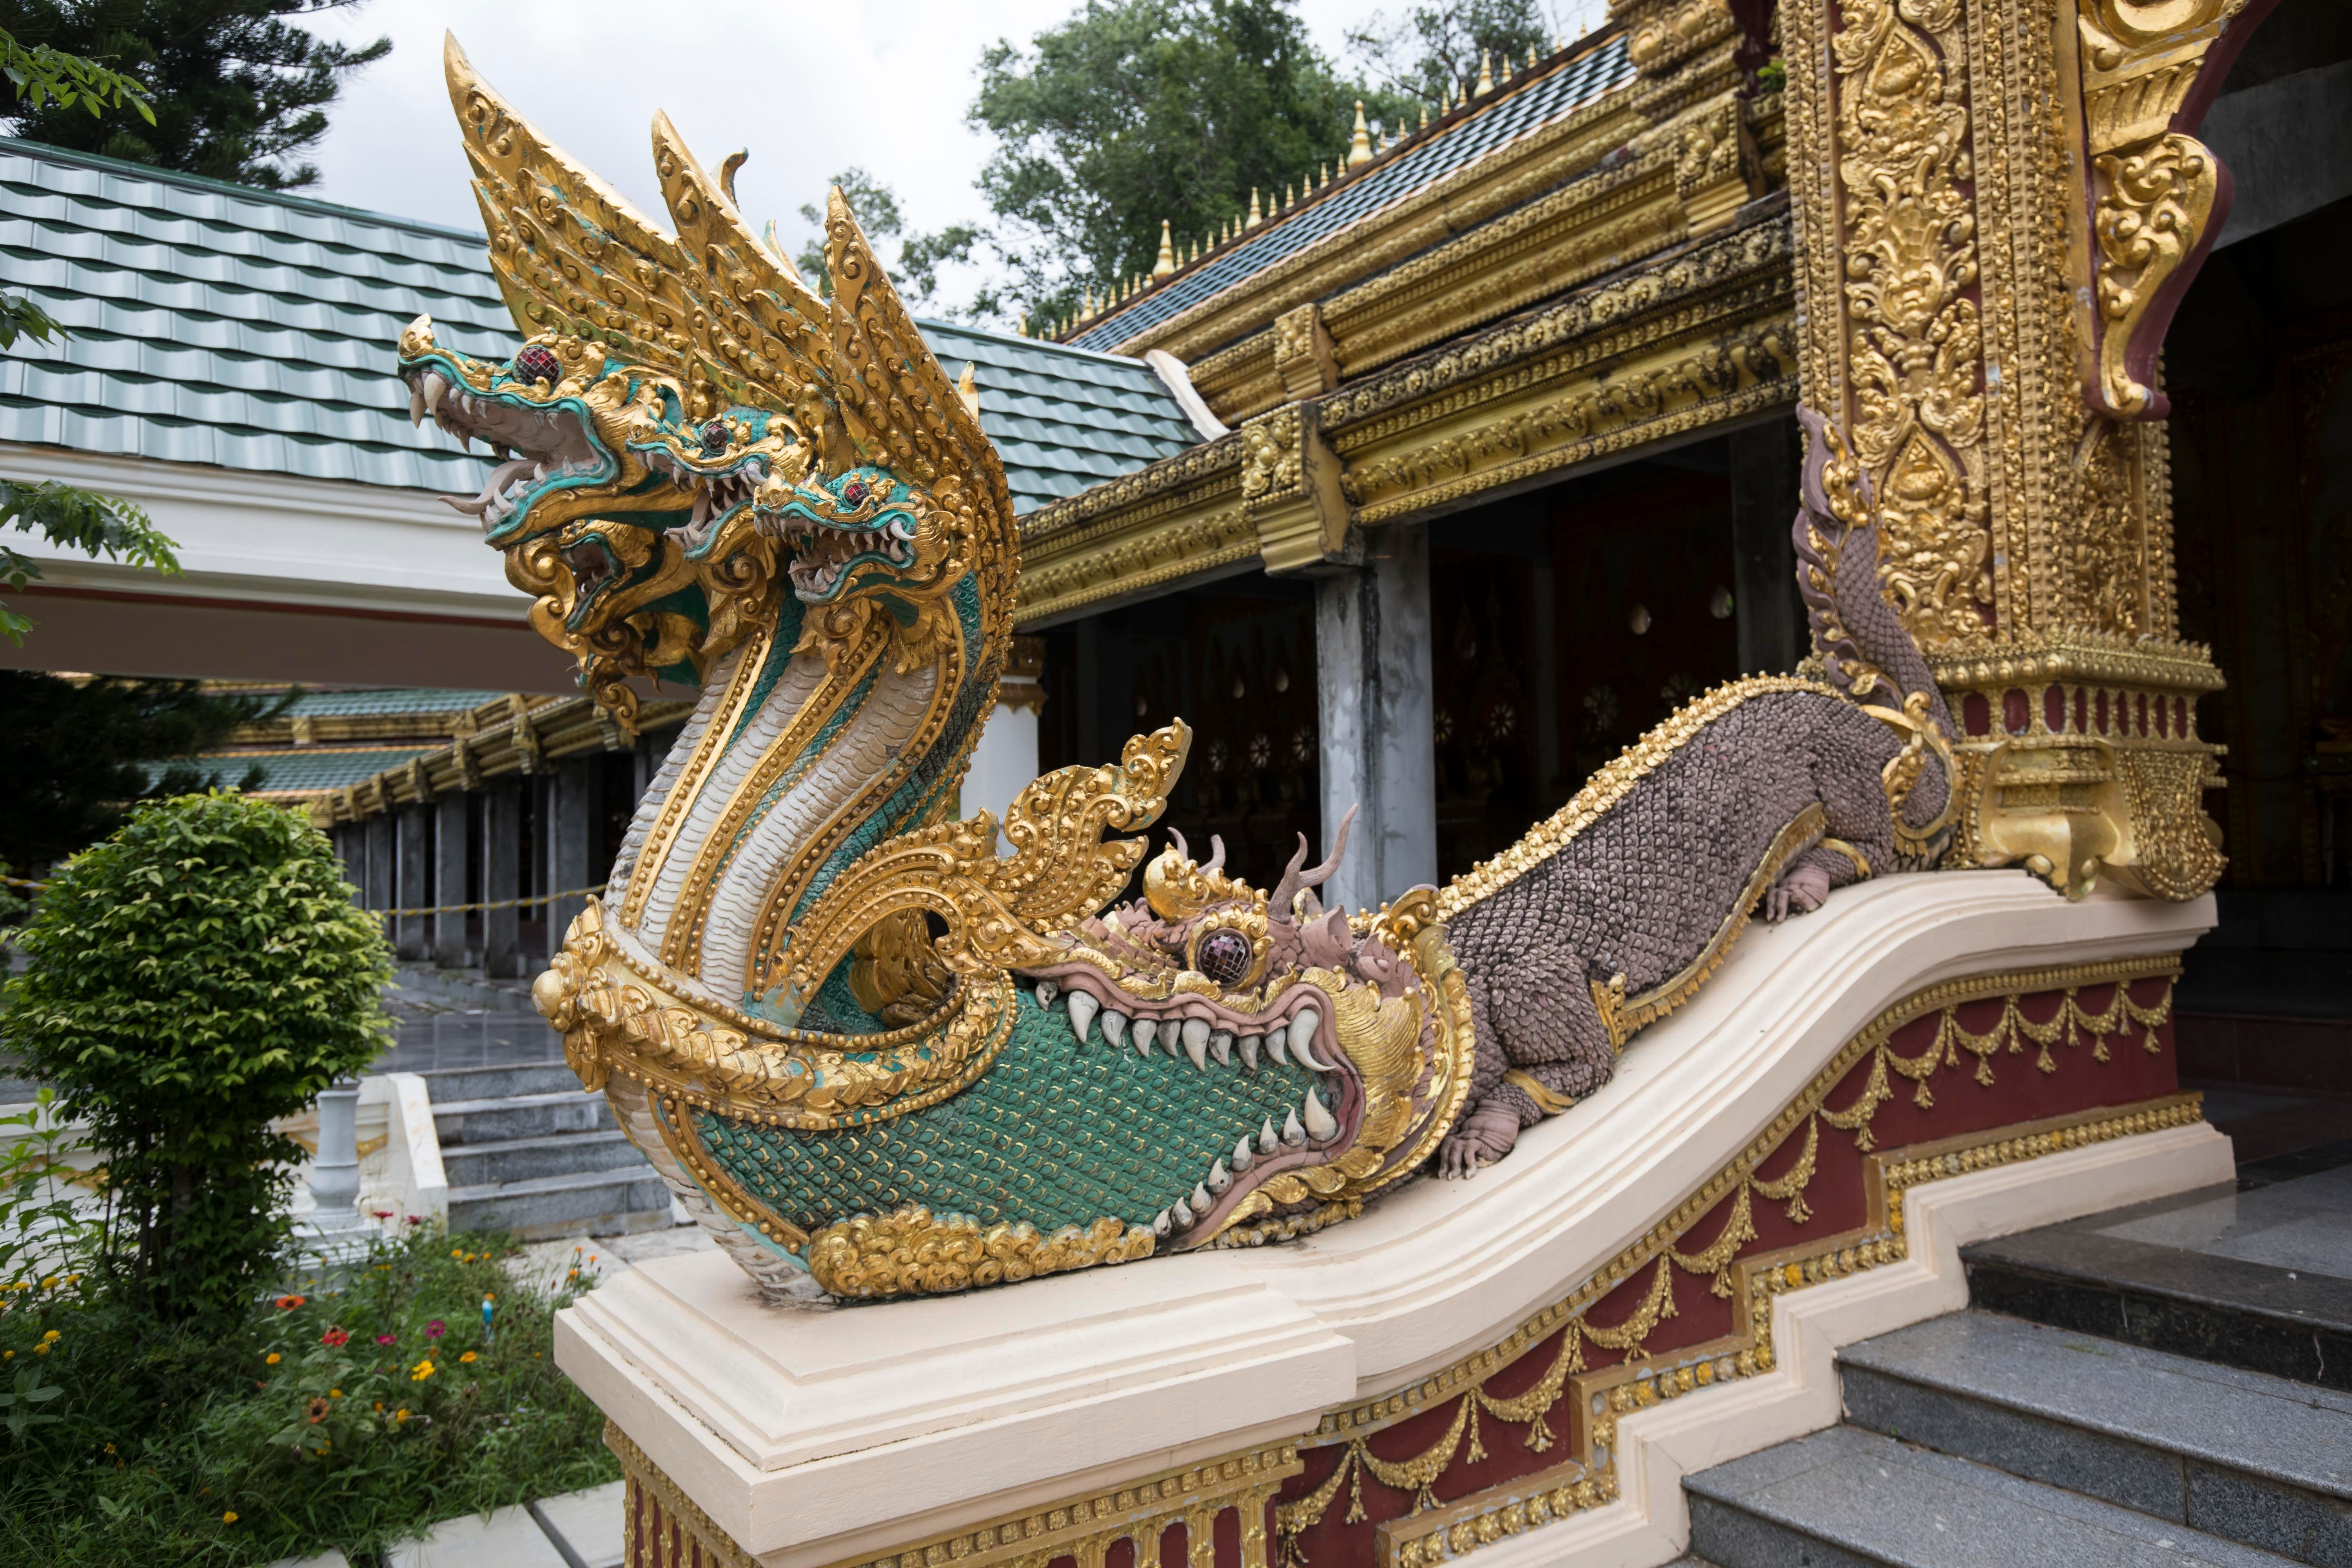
<point x="538" y="362"/>
<point x="1225" y="956"/>
<point x="714" y="436"/>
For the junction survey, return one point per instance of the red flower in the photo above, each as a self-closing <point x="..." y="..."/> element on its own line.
<point x="435" y="1328"/>
<point x="336" y="1338"/>
<point x="384" y="1339"/>
<point x="288" y="1303"/>
<point x="416" y="1219"/>
<point x="379" y="1214"/>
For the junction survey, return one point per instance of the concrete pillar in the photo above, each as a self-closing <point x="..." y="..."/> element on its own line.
<point x="1374" y="703"/>
<point x="578" y="807"/>
<point x="449" y="878"/>
<point x="376" y="889"/>
<point x="542" y="858"/>
<point x="502" y="851"/>
<point x="1004" y="763"/>
<point x="413" y="884"/>
<point x="1765" y="465"/>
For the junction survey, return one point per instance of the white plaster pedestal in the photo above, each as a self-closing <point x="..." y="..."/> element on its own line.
<point x="841" y="1436"/>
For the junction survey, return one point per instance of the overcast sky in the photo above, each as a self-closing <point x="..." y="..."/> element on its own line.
<point x="809" y="86"/>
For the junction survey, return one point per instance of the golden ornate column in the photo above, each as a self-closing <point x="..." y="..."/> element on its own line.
<point x="1998" y="204"/>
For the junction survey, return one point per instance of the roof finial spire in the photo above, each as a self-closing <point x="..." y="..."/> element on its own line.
<point x="1531" y="57"/>
<point x="969" y="390"/>
<point x="1254" y="216"/>
<point x="1486" y="74"/>
<point x="1424" y="115"/>
<point x="1024" y="323"/>
<point x="1360" y="146"/>
<point x="1166" y="262"/>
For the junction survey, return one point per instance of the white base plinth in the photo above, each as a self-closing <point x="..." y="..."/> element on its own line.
<point x="811" y="1438"/>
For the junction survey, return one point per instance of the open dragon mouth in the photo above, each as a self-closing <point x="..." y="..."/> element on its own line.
<point x="1285" y="1052"/>
<point x="823" y="555"/>
<point x="594" y="568"/>
<point x="539" y="449"/>
<point x="718" y="495"/>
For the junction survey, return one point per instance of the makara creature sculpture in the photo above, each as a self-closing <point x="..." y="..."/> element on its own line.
<point x="871" y="1054"/>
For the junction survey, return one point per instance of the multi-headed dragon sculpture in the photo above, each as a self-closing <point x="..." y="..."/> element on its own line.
<point x="870" y="1054"/>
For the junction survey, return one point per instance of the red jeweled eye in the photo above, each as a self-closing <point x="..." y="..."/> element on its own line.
<point x="714" y="436"/>
<point x="1225" y="956"/>
<point x="538" y="362"/>
<point x="854" y="492"/>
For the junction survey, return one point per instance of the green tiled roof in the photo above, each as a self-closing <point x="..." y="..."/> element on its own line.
<point x="218" y="324"/>
<point x="1062" y="418"/>
<point x="303" y="769"/>
<point x="389" y="700"/>
<point x="1485" y="127"/>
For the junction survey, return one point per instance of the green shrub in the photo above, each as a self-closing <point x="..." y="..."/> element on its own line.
<point x="192" y="978"/>
<point x="315" y="1423"/>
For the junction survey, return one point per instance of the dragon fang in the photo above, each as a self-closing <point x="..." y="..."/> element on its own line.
<point x="875" y="1058"/>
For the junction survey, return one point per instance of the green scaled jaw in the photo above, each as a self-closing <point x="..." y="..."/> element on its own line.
<point x="1055" y="1134"/>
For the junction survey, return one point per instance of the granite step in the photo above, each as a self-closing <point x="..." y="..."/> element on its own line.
<point x="474" y="1122"/>
<point x="2233" y="1454"/>
<point x="600" y="1203"/>
<point x="1845" y="1496"/>
<point x="2114" y="1275"/>
<point x="523" y="1159"/>
<point x="452" y="1084"/>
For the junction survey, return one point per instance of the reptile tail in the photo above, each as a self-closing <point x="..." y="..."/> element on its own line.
<point x="1864" y="649"/>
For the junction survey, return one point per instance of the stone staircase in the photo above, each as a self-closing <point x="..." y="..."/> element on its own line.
<point x="2097" y="1425"/>
<point x="528" y="1151"/>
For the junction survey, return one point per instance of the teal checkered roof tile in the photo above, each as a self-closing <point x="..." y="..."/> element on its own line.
<point x="1491" y="124"/>
<point x="1063" y="418"/>
<point x="246" y="329"/>
<point x="304" y="770"/>
<point x="240" y="328"/>
<point x="389" y="699"/>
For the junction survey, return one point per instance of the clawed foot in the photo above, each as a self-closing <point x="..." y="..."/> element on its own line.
<point x="1484" y="1137"/>
<point x="1799" y="892"/>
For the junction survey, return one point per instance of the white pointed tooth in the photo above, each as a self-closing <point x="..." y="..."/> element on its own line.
<point x="1160" y="1226"/>
<point x="1268" y="1140"/>
<point x="1277" y="1042"/>
<point x="1249" y="1052"/>
<point x="1182" y="1214"/>
<point x="1221" y="1045"/>
<point x="1196" y="1042"/>
<point x="1046" y="992"/>
<point x="1114" y="1023"/>
<point x="464" y="440"/>
<point x="1218" y="1177"/>
<point x="1201" y="1202"/>
<point x="1146" y="1034"/>
<point x="1082" y="1008"/>
<point x="435" y="388"/>
<point x="415" y="405"/>
<point x="539" y="473"/>
<point x="1319" y="1124"/>
<point x="1292" y="1133"/>
<point x="1243" y="1156"/>
<point x="1302" y="1040"/>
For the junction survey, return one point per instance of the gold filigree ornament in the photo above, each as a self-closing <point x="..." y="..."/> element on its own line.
<point x="618" y="1016"/>
<point x="911" y="1252"/>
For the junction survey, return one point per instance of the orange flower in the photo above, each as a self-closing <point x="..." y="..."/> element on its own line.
<point x="272" y="1359"/>
<point x="288" y="1303"/>
<point x="468" y="1357"/>
<point x="229" y="1517"/>
<point x="320" y="1410"/>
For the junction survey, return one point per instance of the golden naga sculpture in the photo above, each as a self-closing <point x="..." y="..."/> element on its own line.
<point x="870" y="1054"/>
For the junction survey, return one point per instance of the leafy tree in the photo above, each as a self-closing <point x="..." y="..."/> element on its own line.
<point x="198" y="975"/>
<point x="79" y="755"/>
<point x="236" y="90"/>
<point x="1432" y="50"/>
<point x="50" y="83"/>
<point x="920" y="256"/>
<point x="1135" y="111"/>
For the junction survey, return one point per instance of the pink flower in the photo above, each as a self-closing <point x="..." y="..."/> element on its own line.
<point x="384" y="1339"/>
<point x="435" y="1328"/>
<point x="380" y="1214"/>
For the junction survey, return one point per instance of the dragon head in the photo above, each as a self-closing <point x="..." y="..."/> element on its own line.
<point x="1359" y="1028"/>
